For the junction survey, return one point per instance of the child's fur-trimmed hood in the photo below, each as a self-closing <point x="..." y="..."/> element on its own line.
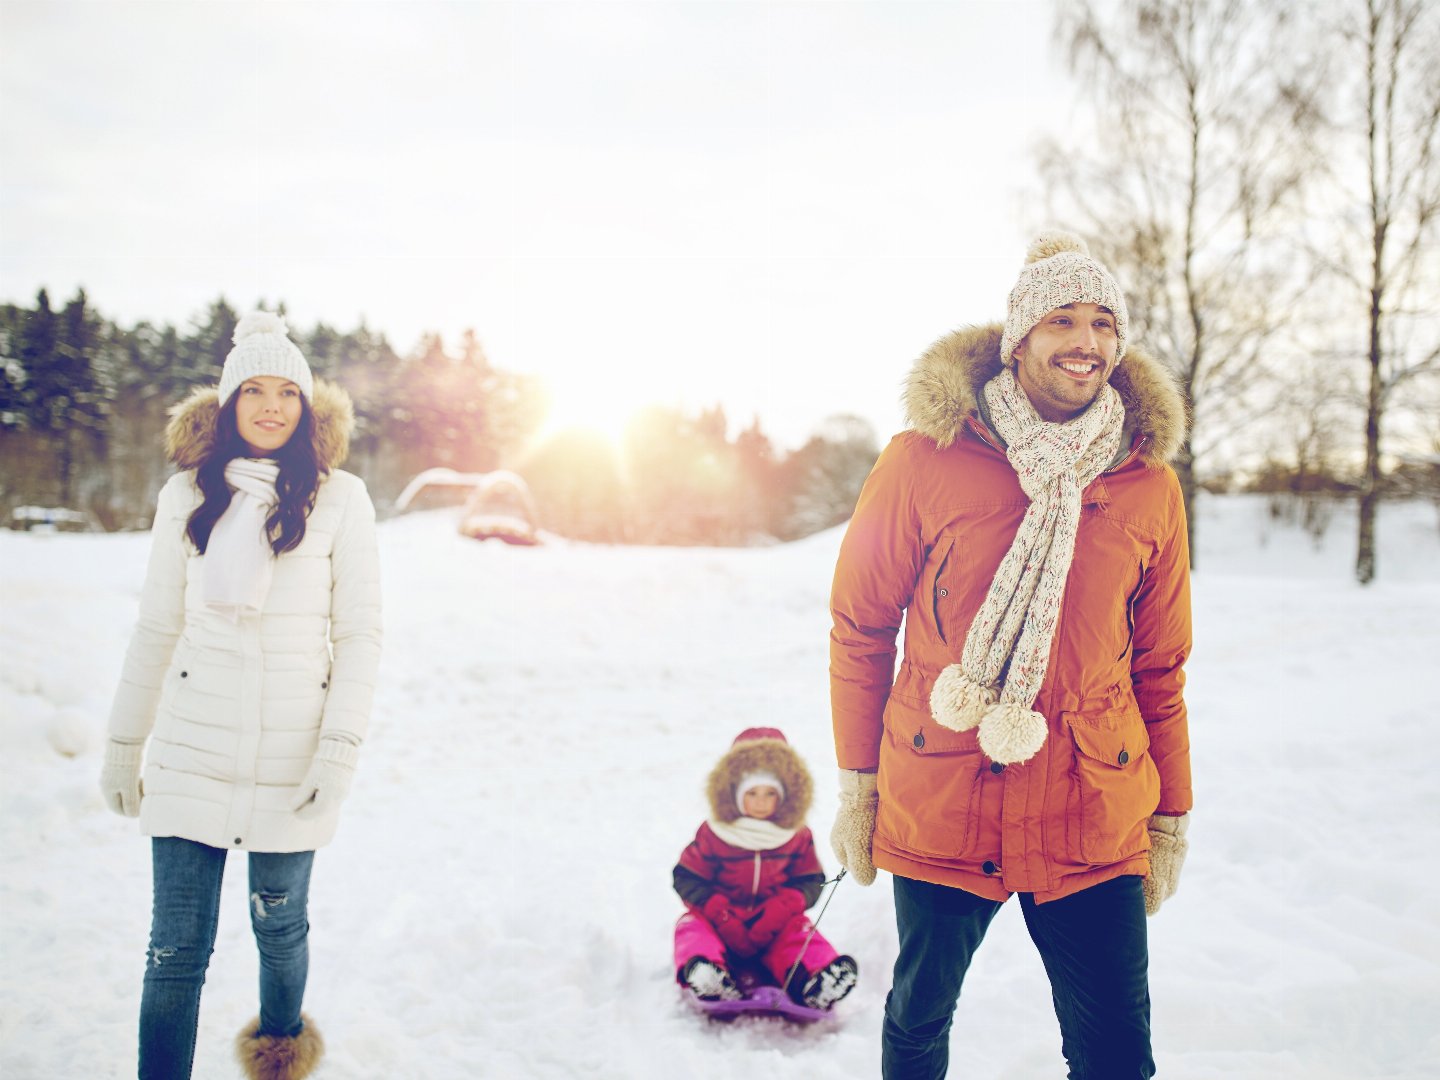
<point x="943" y="390"/>
<point x="773" y="755"/>
<point x="191" y="431"/>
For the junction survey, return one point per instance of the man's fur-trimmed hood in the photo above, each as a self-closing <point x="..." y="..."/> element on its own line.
<point x="943" y="389"/>
<point x="191" y="431"/>
<point x="773" y="755"/>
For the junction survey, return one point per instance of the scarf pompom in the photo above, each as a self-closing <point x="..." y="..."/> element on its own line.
<point x="1012" y="733"/>
<point x="957" y="701"/>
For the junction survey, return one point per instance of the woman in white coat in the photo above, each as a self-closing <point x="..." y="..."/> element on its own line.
<point x="247" y="687"/>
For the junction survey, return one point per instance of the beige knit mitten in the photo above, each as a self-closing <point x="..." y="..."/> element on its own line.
<point x="328" y="780"/>
<point x="855" y="824"/>
<point x="1167" y="854"/>
<point x="120" y="776"/>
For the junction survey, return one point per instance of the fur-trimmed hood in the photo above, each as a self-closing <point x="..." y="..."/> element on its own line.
<point x="191" y="431"/>
<point x="755" y="750"/>
<point x="943" y="389"/>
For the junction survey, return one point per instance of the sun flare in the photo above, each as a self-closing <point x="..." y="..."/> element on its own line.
<point x="594" y="408"/>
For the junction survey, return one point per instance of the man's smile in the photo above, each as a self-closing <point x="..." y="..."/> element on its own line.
<point x="1078" y="367"/>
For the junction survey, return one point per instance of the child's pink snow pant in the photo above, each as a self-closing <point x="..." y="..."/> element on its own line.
<point x="694" y="936"/>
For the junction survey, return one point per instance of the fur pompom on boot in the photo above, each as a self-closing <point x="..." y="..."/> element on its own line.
<point x="275" y="1057"/>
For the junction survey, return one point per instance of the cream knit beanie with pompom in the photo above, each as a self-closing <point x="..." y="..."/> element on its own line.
<point x="1059" y="271"/>
<point x="263" y="347"/>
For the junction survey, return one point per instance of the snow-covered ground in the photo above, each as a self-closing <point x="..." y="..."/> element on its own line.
<point x="498" y="901"/>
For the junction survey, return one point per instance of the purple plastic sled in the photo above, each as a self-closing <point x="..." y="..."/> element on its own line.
<point x="761" y="999"/>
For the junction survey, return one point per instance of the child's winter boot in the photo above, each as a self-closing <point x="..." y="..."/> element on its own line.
<point x="709" y="983"/>
<point x="277" y="1057"/>
<point x="830" y="984"/>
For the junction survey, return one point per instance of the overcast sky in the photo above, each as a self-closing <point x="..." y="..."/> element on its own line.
<point x="770" y="206"/>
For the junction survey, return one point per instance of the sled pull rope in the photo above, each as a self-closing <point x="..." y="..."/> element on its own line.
<point x="814" y="926"/>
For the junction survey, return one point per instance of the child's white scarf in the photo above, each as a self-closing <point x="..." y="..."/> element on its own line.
<point x="239" y="562"/>
<point x="751" y="834"/>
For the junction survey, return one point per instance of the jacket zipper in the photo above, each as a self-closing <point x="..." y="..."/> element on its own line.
<point x="1130" y="611"/>
<point x="984" y="433"/>
<point x="755" y="885"/>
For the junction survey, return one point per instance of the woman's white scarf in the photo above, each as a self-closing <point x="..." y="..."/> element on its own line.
<point x="751" y="834"/>
<point x="239" y="562"/>
<point x="1011" y="635"/>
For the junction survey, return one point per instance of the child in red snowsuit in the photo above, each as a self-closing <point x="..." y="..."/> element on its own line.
<point x="748" y="877"/>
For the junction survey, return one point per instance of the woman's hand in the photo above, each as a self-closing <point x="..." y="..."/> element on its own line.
<point x="328" y="780"/>
<point x="120" y="776"/>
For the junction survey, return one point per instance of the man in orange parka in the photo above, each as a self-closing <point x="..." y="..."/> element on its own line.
<point x="1031" y="537"/>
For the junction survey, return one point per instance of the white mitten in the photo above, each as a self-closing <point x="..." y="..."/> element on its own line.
<point x="1167" y="854"/>
<point x="120" y="776"/>
<point x="855" y="824"/>
<point x="328" y="780"/>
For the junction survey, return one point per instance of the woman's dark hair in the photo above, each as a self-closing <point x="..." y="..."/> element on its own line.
<point x="296" y="486"/>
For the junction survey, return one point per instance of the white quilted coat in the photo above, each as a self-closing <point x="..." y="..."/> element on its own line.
<point x="234" y="711"/>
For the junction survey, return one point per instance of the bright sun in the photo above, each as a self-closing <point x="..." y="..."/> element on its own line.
<point x="600" y="408"/>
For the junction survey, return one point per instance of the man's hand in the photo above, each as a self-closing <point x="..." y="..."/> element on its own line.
<point x="855" y="824"/>
<point x="1167" y="854"/>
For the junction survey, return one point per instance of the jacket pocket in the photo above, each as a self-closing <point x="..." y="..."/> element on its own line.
<point x="947" y="585"/>
<point x="1114" y="787"/>
<point x="940" y="592"/>
<point x="930" y="782"/>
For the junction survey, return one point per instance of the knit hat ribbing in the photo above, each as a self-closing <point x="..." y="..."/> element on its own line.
<point x="263" y="347"/>
<point x="1058" y="271"/>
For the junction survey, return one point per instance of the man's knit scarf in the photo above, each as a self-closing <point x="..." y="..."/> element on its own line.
<point x="1008" y="646"/>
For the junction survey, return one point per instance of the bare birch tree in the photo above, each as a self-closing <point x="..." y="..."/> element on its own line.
<point x="1180" y="174"/>
<point x="1380" y="149"/>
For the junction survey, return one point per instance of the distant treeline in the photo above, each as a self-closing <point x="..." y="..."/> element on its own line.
<point x="84" y="402"/>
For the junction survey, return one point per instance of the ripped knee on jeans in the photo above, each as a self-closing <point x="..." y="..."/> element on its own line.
<point x="263" y="903"/>
<point x="160" y="953"/>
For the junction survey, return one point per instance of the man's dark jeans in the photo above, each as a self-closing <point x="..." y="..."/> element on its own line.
<point x="1094" y="947"/>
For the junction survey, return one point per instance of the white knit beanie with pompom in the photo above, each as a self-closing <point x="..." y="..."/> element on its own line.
<point x="263" y="347"/>
<point x="1059" y="271"/>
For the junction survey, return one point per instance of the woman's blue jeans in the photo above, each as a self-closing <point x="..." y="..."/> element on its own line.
<point x="182" y="937"/>
<point x="1094" y="947"/>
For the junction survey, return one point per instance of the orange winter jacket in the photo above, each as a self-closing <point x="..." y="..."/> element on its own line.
<point x="936" y="516"/>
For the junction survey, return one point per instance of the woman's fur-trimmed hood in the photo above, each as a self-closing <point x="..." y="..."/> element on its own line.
<point x="943" y="390"/>
<point x="191" y="431"/>
<point x="768" y="753"/>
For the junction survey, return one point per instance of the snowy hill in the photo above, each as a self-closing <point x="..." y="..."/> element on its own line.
<point x="498" y="903"/>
